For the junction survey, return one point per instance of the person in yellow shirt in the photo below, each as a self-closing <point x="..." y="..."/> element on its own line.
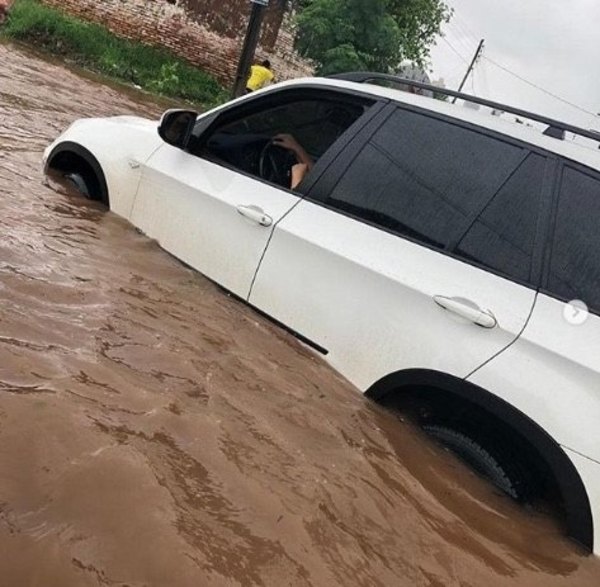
<point x="260" y="76"/>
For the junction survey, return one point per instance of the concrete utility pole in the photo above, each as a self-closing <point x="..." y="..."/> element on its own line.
<point x="249" y="49"/>
<point x="471" y="66"/>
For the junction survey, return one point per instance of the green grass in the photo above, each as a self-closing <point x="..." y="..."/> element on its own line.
<point x="94" y="47"/>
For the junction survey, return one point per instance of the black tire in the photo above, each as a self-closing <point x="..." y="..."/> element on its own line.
<point x="79" y="167"/>
<point x="510" y="477"/>
<point x="80" y="183"/>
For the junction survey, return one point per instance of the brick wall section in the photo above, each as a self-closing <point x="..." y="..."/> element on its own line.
<point x="4" y="6"/>
<point x="207" y="33"/>
<point x="230" y="17"/>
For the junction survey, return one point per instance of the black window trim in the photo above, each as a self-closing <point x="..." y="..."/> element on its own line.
<point x="543" y="234"/>
<point x="562" y="163"/>
<point x="344" y="157"/>
<point x="540" y="236"/>
<point x="476" y="215"/>
<point x="319" y="193"/>
<point x="256" y="103"/>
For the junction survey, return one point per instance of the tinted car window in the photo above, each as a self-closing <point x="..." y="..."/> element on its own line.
<point x="243" y="140"/>
<point x="425" y="178"/>
<point x="575" y="264"/>
<point x="503" y="236"/>
<point x="316" y="123"/>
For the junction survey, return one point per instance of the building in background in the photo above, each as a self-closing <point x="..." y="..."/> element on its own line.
<point x="408" y="70"/>
<point x="206" y="33"/>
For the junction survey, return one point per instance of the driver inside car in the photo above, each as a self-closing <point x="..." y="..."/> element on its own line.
<point x="304" y="160"/>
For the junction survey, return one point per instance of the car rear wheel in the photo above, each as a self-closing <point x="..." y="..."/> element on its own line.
<point x="490" y="462"/>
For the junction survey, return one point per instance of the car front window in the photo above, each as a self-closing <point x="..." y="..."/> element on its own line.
<point x="272" y="142"/>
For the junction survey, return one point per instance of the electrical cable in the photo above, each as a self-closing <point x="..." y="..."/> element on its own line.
<point x="463" y="24"/>
<point x="482" y="71"/>
<point x="455" y="50"/>
<point x="543" y="90"/>
<point x="464" y="34"/>
<point x="460" y="38"/>
<point x="468" y="37"/>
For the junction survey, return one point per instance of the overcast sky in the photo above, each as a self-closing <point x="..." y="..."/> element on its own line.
<point x="554" y="44"/>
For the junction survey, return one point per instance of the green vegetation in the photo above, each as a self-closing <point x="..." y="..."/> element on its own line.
<point x="95" y="48"/>
<point x="367" y="35"/>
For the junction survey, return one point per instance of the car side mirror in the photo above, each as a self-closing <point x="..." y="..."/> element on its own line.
<point x="176" y="127"/>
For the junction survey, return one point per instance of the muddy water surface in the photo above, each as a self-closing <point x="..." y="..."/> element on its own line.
<point x="155" y="432"/>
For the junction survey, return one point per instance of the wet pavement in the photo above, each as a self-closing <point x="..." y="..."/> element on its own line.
<point x="156" y="432"/>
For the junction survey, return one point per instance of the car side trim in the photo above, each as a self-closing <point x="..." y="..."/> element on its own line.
<point x="576" y="501"/>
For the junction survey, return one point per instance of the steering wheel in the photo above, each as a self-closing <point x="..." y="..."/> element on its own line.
<point x="275" y="164"/>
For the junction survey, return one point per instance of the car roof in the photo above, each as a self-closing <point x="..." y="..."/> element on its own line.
<point x="532" y="135"/>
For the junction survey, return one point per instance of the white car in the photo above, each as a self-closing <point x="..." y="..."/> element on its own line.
<point x="447" y="262"/>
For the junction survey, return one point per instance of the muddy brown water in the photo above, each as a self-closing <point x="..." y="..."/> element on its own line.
<point x="154" y="431"/>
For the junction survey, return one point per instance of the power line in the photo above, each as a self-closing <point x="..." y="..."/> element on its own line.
<point x="455" y="51"/>
<point x="482" y="72"/>
<point x="465" y="26"/>
<point x="471" y="66"/>
<point x="468" y="36"/>
<point x="464" y="34"/>
<point x="547" y="92"/>
<point x="461" y="40"/>
<point x="462" y="26"/>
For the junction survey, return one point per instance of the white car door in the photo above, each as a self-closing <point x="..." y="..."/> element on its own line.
<point x="416" y="254"/>
<point x="214" y="205"/>
<point x="553" y="372"/>
<point x="209" y="216"/>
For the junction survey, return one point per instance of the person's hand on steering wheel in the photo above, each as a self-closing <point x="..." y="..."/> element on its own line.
<point x="305" y="162"/>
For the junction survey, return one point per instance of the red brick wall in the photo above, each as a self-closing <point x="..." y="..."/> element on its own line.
<point x="4" y="6"/>
<point x="207" y="33"/>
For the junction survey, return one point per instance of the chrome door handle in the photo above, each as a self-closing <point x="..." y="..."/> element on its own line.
<point x="468" y="310"/>
<point x="255" y="214"/>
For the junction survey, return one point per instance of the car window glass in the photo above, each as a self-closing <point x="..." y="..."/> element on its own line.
<point x="244" y="143"/>
<point x="425" y="178"/>
<point x="575" y="264"/>
<point x="503" y="236"/>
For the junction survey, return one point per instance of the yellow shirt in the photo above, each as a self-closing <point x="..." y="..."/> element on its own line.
<point x="259" y="77"/>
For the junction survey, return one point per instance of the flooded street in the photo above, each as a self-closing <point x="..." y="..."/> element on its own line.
<point x="156" y="432"/>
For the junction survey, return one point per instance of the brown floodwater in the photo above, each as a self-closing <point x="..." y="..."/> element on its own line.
<point x="156" y="432"/>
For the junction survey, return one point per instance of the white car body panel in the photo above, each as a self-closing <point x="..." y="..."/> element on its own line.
<point x="189" y="205"/>
<point x="552" y="374"/>
<point x="120" y="144"/>
<point x="347" y="300"/>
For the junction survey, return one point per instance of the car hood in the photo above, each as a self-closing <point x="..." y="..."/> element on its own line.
<point x="136" y="121"/>
<point x="111" y="137"/>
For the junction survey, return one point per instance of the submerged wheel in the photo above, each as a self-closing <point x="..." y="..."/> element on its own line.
<point x="81" y="169"/>
<point x="508" y="476"/>
<point x="80" y="183"/>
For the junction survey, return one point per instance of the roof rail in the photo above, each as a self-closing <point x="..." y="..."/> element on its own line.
<point x="555" y="127"/>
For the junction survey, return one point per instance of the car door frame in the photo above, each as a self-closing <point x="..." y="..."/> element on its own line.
<point x="561" y="164"/>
